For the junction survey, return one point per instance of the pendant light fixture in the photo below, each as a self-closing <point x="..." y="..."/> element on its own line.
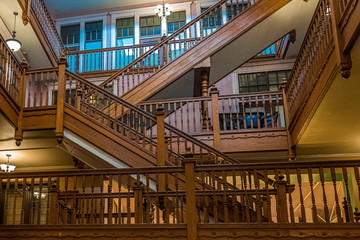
<point x="13" y="43"/>
<point x="7" y="167"/>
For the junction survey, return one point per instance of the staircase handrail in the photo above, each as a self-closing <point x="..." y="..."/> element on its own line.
<point x="193" y="140"/>
<point x="165" y="41"/>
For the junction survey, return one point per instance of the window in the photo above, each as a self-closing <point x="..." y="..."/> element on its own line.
<point x="93" y="35"/>
<point x="150" y="26"/>
<point x="70" y="35"/>
<point x="260" y="82"/>
<point x="175" y="21"/>
<point x="125" y="31"/>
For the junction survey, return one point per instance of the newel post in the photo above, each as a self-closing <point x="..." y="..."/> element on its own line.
<point x="138" y="195"/>
<point x="53" y="204"/>
<point x="291" y="148"/>
<point x="59" y="130"/>
<point x="191" y="216"/>
<point x="161" y="148"/>
<point x="21" y="102"/>
<point x="161" y="145"/>
<point x="281" y="201"/>
<point x="214" y="92"/>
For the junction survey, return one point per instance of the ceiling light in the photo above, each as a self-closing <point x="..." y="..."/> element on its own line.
<point x="13" y="43"/>
<point x="7" y="167"/>
<point x="163" y="10"/>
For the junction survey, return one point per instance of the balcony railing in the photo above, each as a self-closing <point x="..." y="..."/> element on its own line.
<point x="315" y="192"/>
<point x="236" y="113"/>
<point x="107" y="59"/>
<point x="10" y="71"/>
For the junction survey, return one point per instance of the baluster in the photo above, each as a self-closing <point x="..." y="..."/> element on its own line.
<point x="337" y="207"/>
<point x="119" y="177"/>
<point x="322" y="180"/>
<point x="302" y="208"/>
<point x="291" y="207"/>
<point x="313" y="206"/>
<point x="348" y="210"/>
<point x="128" y="199"/>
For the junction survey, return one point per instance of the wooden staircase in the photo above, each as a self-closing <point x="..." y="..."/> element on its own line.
<point x="190" y="45"/>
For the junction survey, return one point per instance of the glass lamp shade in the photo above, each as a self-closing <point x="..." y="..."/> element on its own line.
<point x="163" y="10"/>
<point x="13" y="44"/>
<point x="7" y="167"/>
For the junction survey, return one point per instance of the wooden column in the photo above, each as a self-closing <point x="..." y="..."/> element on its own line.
<point x="191" y="213"/>
<point x="214" y="92"/>
<point x="344" y="59"/>
<point x="138" y="195"/>
<point x="291" y="148"/>
<point x="59" y="131"/>
<point x="21" y="102"/>
<point x="53" y="204"/>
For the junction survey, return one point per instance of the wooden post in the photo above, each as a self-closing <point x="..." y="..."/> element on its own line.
<point x="53" y="204"/>
<point x="161" y="151"/>
<point x="138" y="195"/>
<point x="281" y="201"/>
<point x="291" y="148"/>
<point x="344" y="59"/>
<point x="191" y="216"/>
<point x="214" y="92"/>
<point x="59" y="131"/>
<point x="21" y="102"/>
<point x="161" y="146"/>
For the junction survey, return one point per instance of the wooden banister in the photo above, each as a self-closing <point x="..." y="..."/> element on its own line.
<point x="85" y="197"/>
<point x="135" y="123"/>
<point x="187" y="36"/>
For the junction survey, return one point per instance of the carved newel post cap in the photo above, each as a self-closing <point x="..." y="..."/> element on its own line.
<point x="188" y="153"/>
<point x="63" y="60"/>
<point x="160" y="110"/>
<point x="283" y="83"/>
<point x="214" y="90"/>
<point x="24" y="64"/>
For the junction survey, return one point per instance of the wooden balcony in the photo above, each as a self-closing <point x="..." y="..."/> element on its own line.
<point x="288" y="198"/>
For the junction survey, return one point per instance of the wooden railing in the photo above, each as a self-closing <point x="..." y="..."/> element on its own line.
<point x="48" y="28"/>
<point x="234" y="112"/>
<point x="307" y="192"/>
<point x="130" y="121"/>
<point x="115" y="58"/>
<point x="10" y="71"/>
<point x="107" y="59"/>
<point x="316" y="48"/>
<point x="41" y="87"/>
<point x="176" y="44"/>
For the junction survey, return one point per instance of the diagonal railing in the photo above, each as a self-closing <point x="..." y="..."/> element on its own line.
<point x="47" y="26"/>
<point x="175" y="45"/>
<point x="134" y="123"/>
<point x="316" y="48"/>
